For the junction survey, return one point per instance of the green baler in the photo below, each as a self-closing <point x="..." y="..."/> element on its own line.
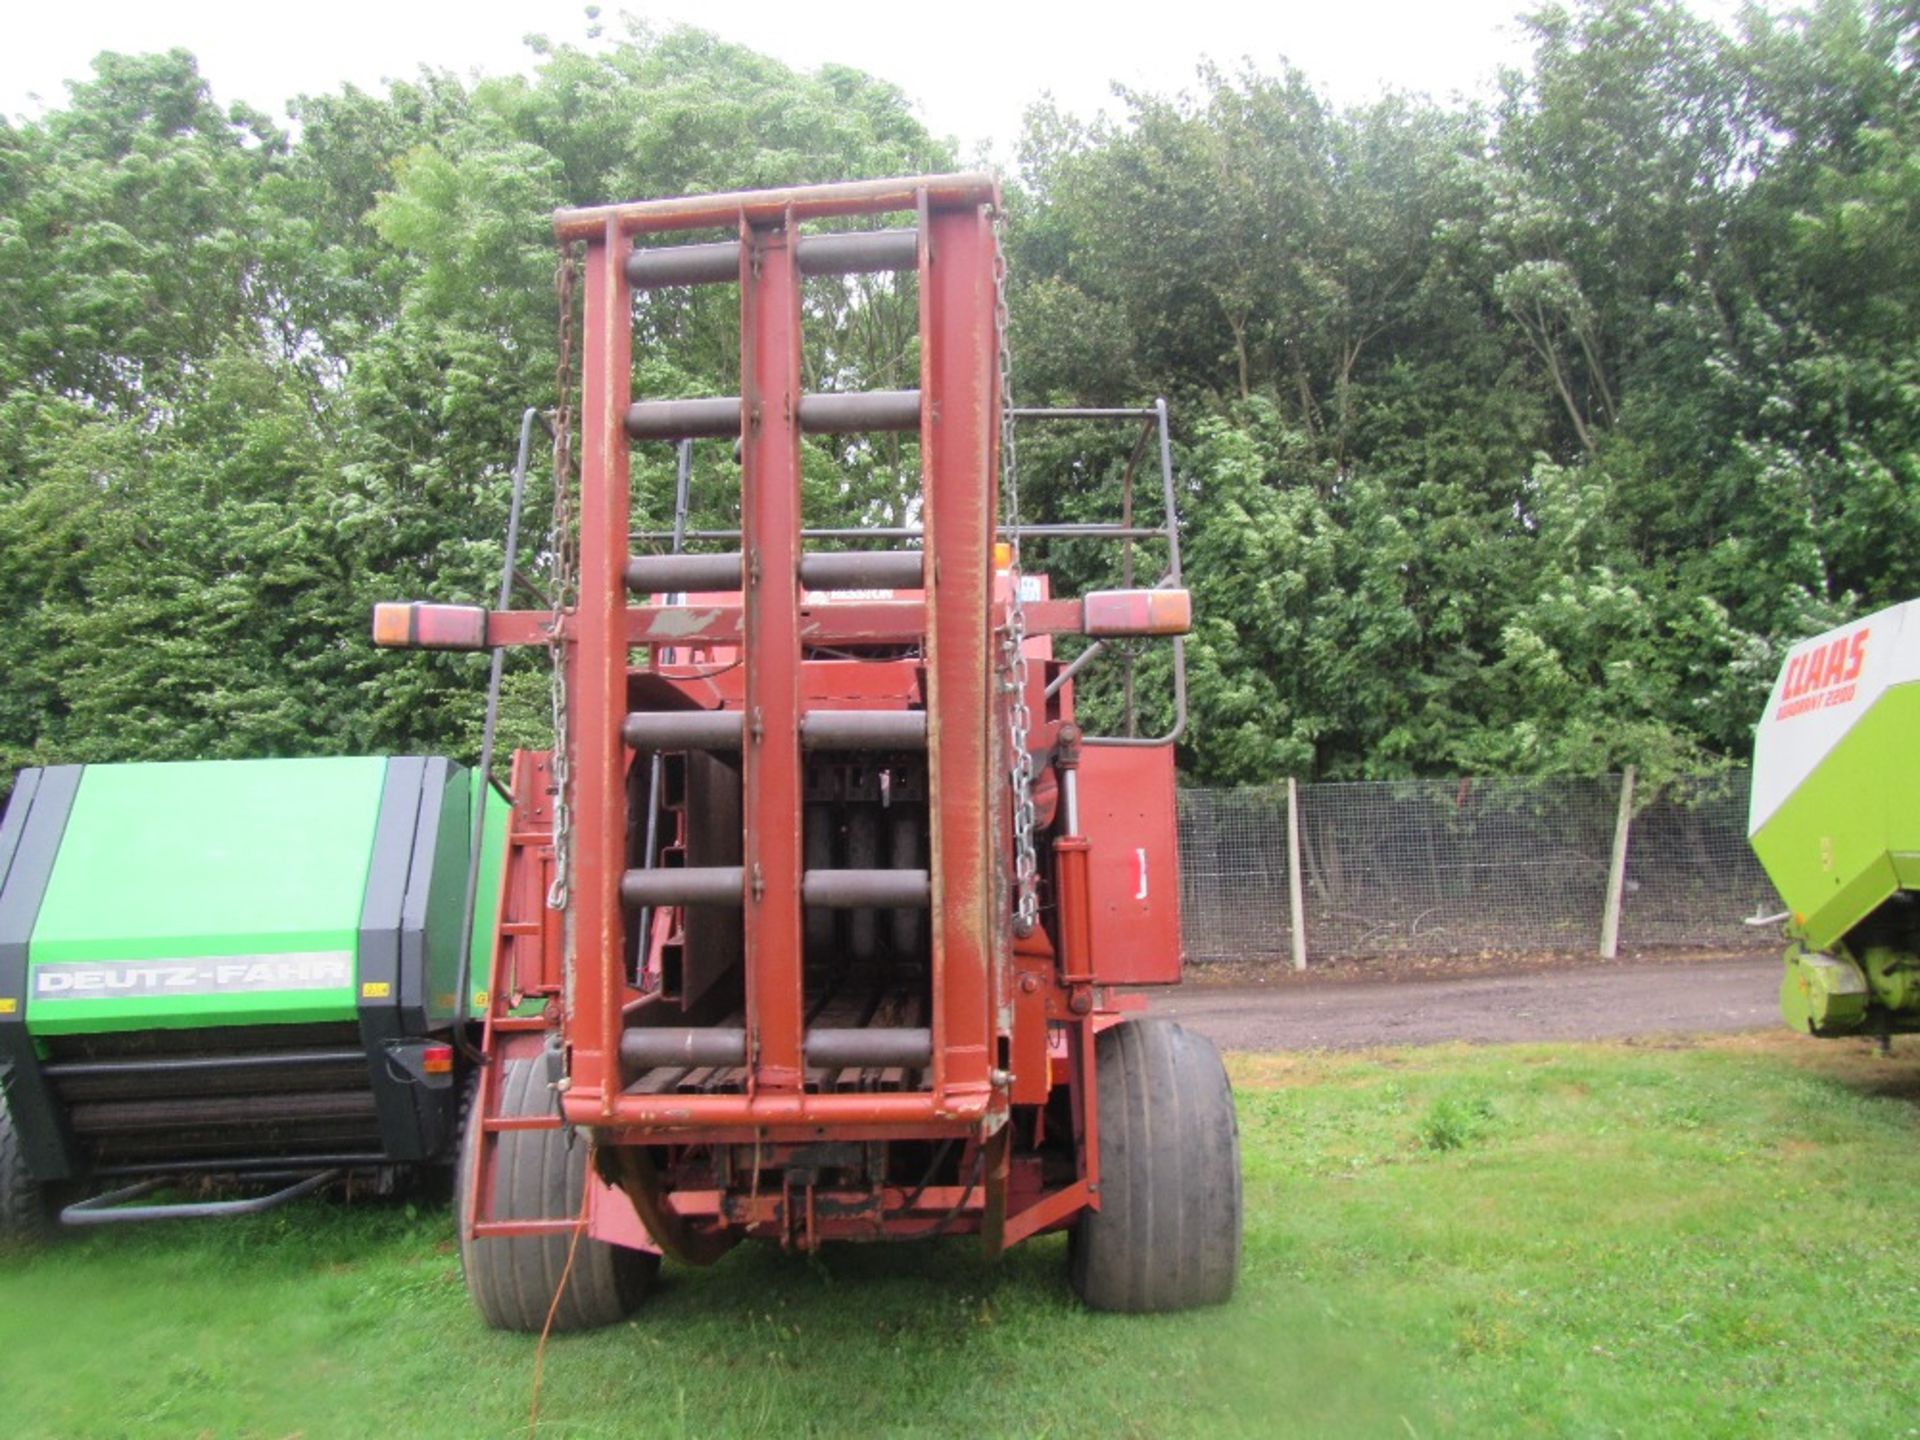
<point x="232" y="968"/>
<point x="1835" y="819"/>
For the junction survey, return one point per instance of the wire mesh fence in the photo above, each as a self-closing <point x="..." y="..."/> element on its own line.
<point x="1233" y="874"/>
<point x="1691" y="876"/>
<point x="1446" y="867"/>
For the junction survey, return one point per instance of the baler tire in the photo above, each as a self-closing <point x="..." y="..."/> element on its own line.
<point x="1167" y="1233"/>
<point x="513" y="1279"/>
<point x="26" y="1212"/>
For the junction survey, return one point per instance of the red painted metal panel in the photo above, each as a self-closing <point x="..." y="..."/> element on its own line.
<point x="1055" y="1209"/>
<point x="1032" y="1075"/>
<point x="839" y="622"/>
<point x="770" y="541"/>
<point x="1127" y="815"/>
<point x="959" y="432"/>
<point x="909" y="1112"/>
<point x="694" y="212"/>
<point x="598" y="677"/>
<point x="824" y="685"/>
<point x="611" y="1217"/>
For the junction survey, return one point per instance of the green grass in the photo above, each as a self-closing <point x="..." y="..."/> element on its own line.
<point x="1571" y="1241"/>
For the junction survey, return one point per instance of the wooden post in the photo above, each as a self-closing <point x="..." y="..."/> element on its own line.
<point x="1296" y="906"/>
<point x="1617" y="870"/>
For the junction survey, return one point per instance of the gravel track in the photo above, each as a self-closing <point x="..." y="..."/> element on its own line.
<point x="1591" y="1002"/>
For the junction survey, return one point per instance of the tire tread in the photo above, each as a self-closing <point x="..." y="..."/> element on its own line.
<point x="1167" y="1233"/>
<point x="26" y="1217"/>
<point x="537" y="1175"/>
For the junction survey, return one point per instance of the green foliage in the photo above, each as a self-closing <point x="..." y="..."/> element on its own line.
<point x="250" y="384"/>
<point x="1519" y="440"/>
<point x="1453" y="1122"/>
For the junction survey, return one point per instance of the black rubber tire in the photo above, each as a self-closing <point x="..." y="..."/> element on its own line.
<point x="1167" y="1233"/>
<point x="538" y="1176"/>
<point x="26" y="1210"/>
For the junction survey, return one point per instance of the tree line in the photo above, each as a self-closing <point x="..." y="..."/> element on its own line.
<point x="1518" y="438"/>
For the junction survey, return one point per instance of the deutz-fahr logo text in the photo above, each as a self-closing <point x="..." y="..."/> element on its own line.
<point x="1826" y="675"/>
<point x="205" y="975"/>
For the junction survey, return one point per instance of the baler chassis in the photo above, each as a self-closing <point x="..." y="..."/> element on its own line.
<point x="761" y="970"/>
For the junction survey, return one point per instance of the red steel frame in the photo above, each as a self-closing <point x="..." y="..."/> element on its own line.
<point x="960" y="406"/>
<point x="959" y="440"/>
<point x="1011" y="1021"/>
<point x="770" y="543"/>
<point x="596" y="658"/>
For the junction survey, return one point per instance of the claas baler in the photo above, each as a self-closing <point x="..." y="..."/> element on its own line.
<point x="820" y="921"/>
<point x="1835" y="820"/>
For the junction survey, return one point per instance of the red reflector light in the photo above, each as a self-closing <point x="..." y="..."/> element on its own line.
<point x="401" y="625"/>
<point x="1137" y="612"/>
<point x="437" y="1059"/>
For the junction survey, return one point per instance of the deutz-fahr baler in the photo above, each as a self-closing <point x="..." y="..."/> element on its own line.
<point x="820" y="920"/>
<point x="244" y="970"/>
<point x="1835" y="820"/>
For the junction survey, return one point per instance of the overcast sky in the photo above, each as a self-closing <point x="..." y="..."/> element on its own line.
<point x="972" y="66"/>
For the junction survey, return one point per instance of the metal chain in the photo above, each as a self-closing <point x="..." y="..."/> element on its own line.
<point x="560" y="892"/>
<point x="1026" y="865"/>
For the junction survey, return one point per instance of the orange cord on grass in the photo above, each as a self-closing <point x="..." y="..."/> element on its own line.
<point x="540" y="1350"/>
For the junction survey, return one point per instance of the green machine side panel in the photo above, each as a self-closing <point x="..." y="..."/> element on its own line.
<point x="434" y="912"/>
<point x="1834" y="850"/>
<point x="486" y="899"/>
<point x="206" y="893"/>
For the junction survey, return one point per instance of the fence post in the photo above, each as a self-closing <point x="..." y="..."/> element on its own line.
<point x="1296" y="905"/>
<point x="1617" y="870"/>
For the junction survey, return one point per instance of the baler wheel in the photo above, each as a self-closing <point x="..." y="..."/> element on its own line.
<point x="26" y="1215"/>
<point x="513" y="1279"/>
<point x="1167" y="1233"/>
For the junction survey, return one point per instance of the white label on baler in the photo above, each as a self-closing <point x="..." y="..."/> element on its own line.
<point x="1824" y="688"/>
<point x="204" y="975"/>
